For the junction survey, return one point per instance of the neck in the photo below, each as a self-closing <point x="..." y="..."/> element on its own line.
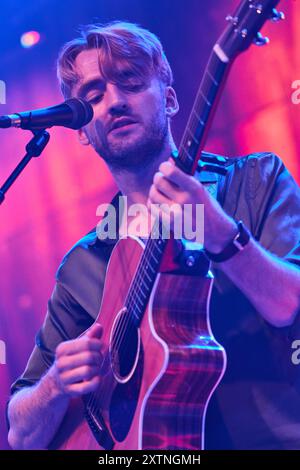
<point x="135" y="183"/>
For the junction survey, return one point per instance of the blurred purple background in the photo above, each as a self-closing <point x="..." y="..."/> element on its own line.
<point x="54" y="202"/>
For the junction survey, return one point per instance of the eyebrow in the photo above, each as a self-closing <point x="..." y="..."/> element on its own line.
<point x="85" y="87"/>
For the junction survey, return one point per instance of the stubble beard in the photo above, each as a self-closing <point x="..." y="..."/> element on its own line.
<point x="140" y="152"/>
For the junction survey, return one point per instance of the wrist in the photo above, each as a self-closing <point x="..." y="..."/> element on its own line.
<point x="52" y="383"/>
<point x="236" y="244"/>
<point x="222" y="237"/>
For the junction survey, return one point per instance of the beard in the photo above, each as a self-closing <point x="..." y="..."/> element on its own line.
<point x="136" y="151"/>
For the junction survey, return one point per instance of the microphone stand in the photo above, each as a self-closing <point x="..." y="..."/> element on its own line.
<point x="34" y="148"/>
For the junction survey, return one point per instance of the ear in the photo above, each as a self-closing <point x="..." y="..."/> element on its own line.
<point x="172" y="106"/>
<point x="82" y="136"/>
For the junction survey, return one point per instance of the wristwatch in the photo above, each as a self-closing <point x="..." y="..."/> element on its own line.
<point x="237" y="244"/>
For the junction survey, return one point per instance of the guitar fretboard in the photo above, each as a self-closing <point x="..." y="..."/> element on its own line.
<point x="194" y="135"/>
<point x="144" y="279"/>
<point x="191" y="144"/>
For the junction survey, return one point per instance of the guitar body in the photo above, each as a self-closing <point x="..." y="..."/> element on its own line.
<point x="161" y="362"/>
<point x="156" y="396"/>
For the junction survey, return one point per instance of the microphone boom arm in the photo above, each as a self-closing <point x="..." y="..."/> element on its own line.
<point x="34" y="148"/>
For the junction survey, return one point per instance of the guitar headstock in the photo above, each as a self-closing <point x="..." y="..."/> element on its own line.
<point x="245" y="25"/>
<point x="242" y="30"/>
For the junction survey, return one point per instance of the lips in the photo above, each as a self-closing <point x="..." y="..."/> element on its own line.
<point x="122" y="122"/>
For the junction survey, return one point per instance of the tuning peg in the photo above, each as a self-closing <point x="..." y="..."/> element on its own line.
<point x="261" y="40"/>
<point x="277" y="15"/>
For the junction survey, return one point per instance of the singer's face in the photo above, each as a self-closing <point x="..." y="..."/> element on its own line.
<point x="130" y="125"/>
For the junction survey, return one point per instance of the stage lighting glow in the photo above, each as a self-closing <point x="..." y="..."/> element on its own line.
<point x="30" y="39"/>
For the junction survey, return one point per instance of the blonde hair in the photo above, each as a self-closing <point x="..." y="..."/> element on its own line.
<point x="116" y="42"/>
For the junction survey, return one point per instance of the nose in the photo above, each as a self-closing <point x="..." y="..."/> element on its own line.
<point x="117" y="100"/>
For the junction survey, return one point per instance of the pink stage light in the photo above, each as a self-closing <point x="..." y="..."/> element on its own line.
<point x="30" y="39"/>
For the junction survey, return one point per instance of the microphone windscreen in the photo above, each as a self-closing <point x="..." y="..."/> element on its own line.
<point x="82" y="112"/>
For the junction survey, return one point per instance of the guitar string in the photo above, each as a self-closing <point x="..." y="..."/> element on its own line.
<point x="123" y="325"/>
<point x="97" y="395"/>
<point x="127" y="318"/>
<point x="192" y="125"/>
<point x="149" y="249"/>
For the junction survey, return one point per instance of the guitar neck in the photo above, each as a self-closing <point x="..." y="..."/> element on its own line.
<point x="243" y="28"/>
<point x="187" y="158"/>
<point x="205" y="104"/>
<point x="144" y="279"/>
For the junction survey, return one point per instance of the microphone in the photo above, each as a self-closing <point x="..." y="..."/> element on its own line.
<point x="73" y="113"/>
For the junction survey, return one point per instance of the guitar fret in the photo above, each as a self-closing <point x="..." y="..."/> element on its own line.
<point x="192" y="136"/>
<point x="186" y="151"/>
<point x="137" y="299"/>
<point x="208" y="87"/>
<point x="198" y="118"/>
<point x="140" y="292"/>
<point x="153" y="270"/>
<point x="158" y="249"/>
<point x="147" y="275"/>
<point x="205" y="98"/>
<point x="143" y="282"/>
<point x="189" y="159"/>
<point x="213" y="79"/>
<point x="190" y="145"/>
<point x="152" y="257"/>
<point x="155" y="259"/>
<point x="132" y="312"/>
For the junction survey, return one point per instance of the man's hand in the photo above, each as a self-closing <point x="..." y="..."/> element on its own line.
<point x="76" y="370"/>
<point x="253" y="270"/>
<point x="35" y="413"/>
<point x="173" y="186"/>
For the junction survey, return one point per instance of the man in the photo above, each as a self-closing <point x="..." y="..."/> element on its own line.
<point x="122" y="71"/>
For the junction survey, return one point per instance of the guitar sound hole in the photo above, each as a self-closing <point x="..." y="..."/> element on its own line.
<point x="127" y="362"/>
<point x="124" y="349"/>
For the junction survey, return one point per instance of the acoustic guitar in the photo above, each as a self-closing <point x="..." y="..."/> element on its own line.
<point x="161" y="361"/>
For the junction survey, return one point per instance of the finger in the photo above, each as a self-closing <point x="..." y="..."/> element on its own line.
<point x="69" y="348"/>
<point x="166" y="187"/>
<point x="95" y="331"/>
<point x="171" y="160"/>
<point x="175" y="175"/>
<point x="167" y="213"/>
<point x="83" y="388"/>
<point x="92" y="358"/>
<point x="80" y="374"/>
<point x="157" y="197"/>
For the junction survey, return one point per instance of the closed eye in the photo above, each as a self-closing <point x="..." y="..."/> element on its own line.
<point x="94" y="99"/>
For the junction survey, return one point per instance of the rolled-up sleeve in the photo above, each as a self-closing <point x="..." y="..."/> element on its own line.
<point x="279" y="214"/>
<point x="65" y="319"/>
